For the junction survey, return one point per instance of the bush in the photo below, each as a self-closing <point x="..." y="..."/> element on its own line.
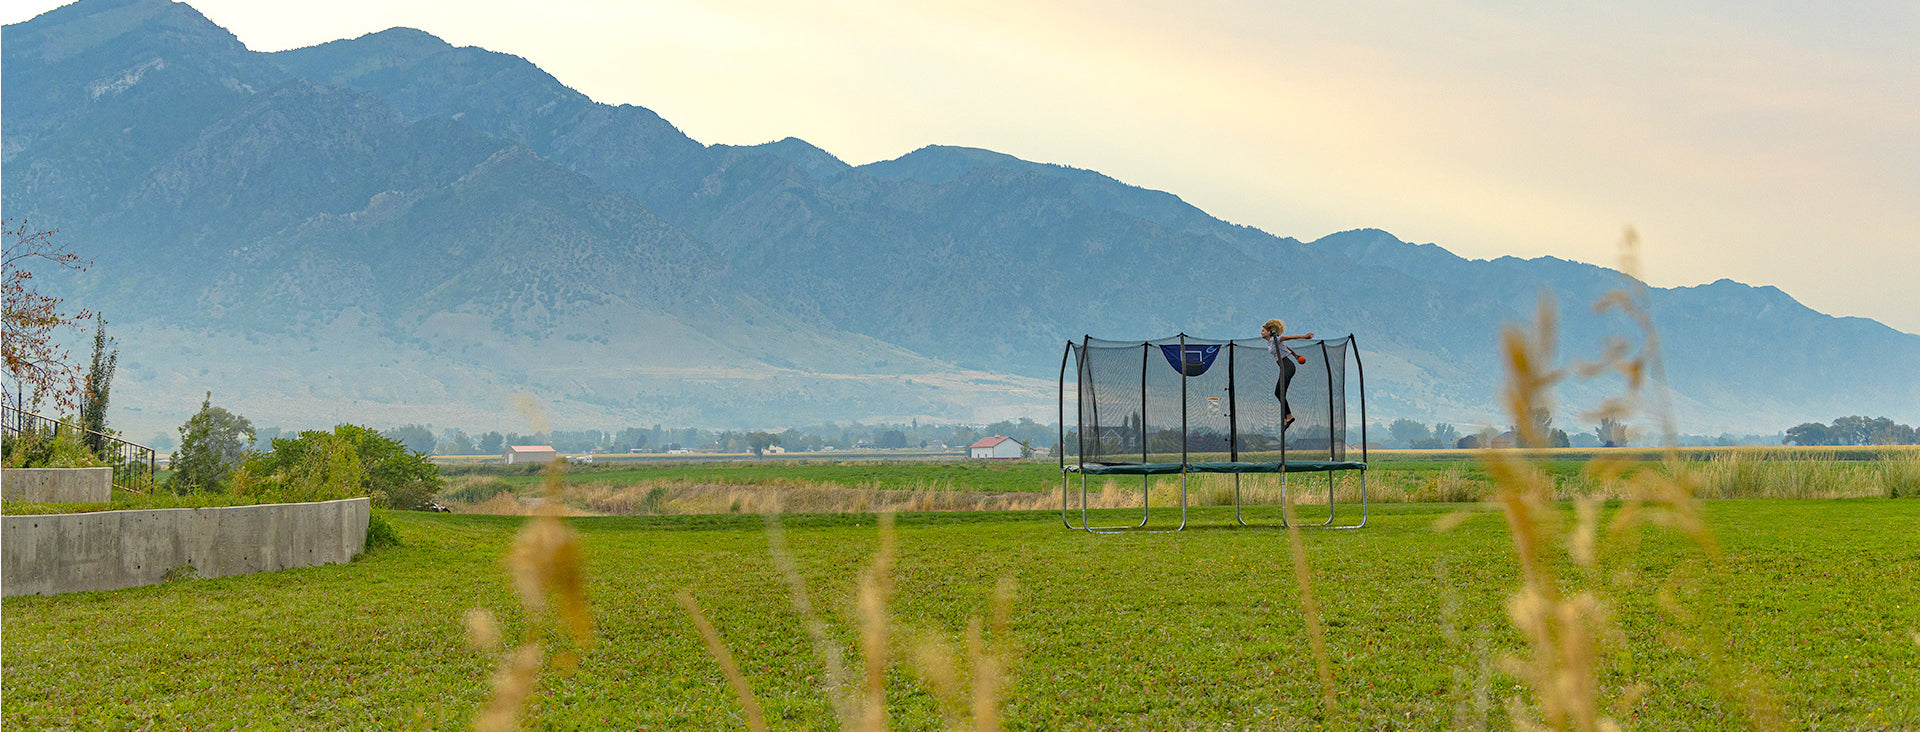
<point x="380" y="531"/>
<point x="36" y="449"/>
<point x="348" y="462"/>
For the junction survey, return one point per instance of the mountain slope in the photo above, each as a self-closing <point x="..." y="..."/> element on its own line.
<point x="457" y="221"/>
<point x="313" y="255"/>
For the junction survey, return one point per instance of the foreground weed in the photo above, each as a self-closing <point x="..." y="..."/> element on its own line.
<point x="1309" y="607"/>
<point x="1568" y="623"/>
<point x="859" y="702"/>
<point x="545" y="566"/>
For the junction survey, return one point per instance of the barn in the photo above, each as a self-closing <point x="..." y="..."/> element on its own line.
<point x="995" y="447"/>
<point x="526" y="454"/>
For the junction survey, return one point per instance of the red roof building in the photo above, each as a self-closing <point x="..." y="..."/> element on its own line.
<point x="995" y="447"/>
<point x="525" y="454"/>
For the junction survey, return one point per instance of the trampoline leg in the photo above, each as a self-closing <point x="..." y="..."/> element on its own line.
<point x="1237" y="516"/>
<point x="1330" y="504"/>
<point x="1363" y="506"/>
<point x="1088" y="526"/>
<point x="1183" y="500"/>
<point x="1285" y="501"/>
<point x="1063" y="501"/>
<point x="1147" y="500"/>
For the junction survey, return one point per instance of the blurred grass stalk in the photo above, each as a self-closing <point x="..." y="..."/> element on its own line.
<point x="860" y="703"/>
<point x="1569" y="623"/>
<point x="545" y="566"/>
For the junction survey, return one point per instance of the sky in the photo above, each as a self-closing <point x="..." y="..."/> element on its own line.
<point x="1770" y="142"/>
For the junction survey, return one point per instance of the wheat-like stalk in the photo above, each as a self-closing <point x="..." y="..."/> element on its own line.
<point x="1568" y="624"/>
<point x="860" y="704"/>
<point x="716" y="647"/>
<point x="545" y="567"/>
<point x="1309" y="606"/>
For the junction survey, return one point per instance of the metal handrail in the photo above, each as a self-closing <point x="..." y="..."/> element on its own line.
<point x="129" y="459"/>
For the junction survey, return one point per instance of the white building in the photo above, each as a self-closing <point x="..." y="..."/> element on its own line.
<point x="525" y="454"/>
<point x="997" y="446"/>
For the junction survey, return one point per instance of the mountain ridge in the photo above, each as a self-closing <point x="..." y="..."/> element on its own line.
<point x="477" y="215"/>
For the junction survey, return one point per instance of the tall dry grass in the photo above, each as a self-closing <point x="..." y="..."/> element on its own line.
<point x="1808" y="474"/>
<point x="1568" y="619"/>
<point x="548" y="578"/>
<point x="968" y="695"/>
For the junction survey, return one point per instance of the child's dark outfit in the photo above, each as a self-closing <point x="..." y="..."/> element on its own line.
<point x="1283" y="356"/>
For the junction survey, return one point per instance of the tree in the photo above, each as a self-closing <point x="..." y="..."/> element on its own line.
<point x="890" y="439"/>
<point x="1853" y="430"/>
<point x="492" y="443"/>
<point x="1539" y="432"/>
<point x="93" y="407"/>
<point x="796" y="441"/>
<point x="415" y="437"/>
<point x="631" y="438"/>
<point x="758" y="442"/>
<point x="455" y="442"/>
<point x="1444" y="435"/>
<point x="1807" y="434"/>
<point x="37" y="364"/>
<point x="1611" y="432"/>
<point x="1904" y="435"/>
<point x="1407" y="432"/>
<point x="213" y="442"/>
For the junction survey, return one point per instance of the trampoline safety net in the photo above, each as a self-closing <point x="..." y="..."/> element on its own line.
<point x="1186" y="400"/>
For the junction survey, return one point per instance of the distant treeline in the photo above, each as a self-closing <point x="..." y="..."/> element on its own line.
<point x="1042" y="437"/>
<point x="661" y="438"/>
<point x="1854" y="430"/>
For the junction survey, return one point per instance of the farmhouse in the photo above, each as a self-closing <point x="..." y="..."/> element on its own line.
<point x="995" y="447"/>
<point x="525" y="454"/>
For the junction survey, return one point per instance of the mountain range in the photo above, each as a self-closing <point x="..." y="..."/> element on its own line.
<point x="391" y="229"/>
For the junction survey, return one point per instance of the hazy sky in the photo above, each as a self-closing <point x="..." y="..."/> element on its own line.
<point x="1770" y="142"/>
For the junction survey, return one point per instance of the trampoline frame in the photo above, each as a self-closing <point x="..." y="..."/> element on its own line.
<point x="1185" y="466"/>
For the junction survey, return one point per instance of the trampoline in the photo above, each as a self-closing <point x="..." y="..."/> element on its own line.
<point x="1185" y="405"/>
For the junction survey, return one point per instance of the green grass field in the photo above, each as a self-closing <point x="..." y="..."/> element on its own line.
<point x="1812" y="607"/>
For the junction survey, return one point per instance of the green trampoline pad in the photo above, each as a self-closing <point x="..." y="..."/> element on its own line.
<point x="1291" y="466"/>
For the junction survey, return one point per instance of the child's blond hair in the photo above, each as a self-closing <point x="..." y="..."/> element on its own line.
<point x="1277" y="326"/>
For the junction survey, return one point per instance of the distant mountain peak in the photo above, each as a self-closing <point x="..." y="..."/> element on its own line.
<point x="401" y="41"/>
<point x="71" y="30"/>
<point x="810" y="158"/>
<point x="937" y="164"/>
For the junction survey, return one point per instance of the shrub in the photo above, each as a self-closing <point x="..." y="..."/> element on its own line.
<point x="350" y="461"/>
<point x="47" y="450"/>
<point x="380" y="531"/>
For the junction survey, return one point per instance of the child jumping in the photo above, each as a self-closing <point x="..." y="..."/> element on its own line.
<point x="1289" y="361"/>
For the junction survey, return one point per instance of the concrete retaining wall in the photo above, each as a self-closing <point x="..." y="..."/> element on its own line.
<point x="57" y="485"/>
<point x="109" y="550"/>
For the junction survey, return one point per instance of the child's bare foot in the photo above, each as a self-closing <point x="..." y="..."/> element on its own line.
<point x="1288" y="422"/>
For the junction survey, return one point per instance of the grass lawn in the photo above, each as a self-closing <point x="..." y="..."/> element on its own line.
<point x="1813" y="604"/>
